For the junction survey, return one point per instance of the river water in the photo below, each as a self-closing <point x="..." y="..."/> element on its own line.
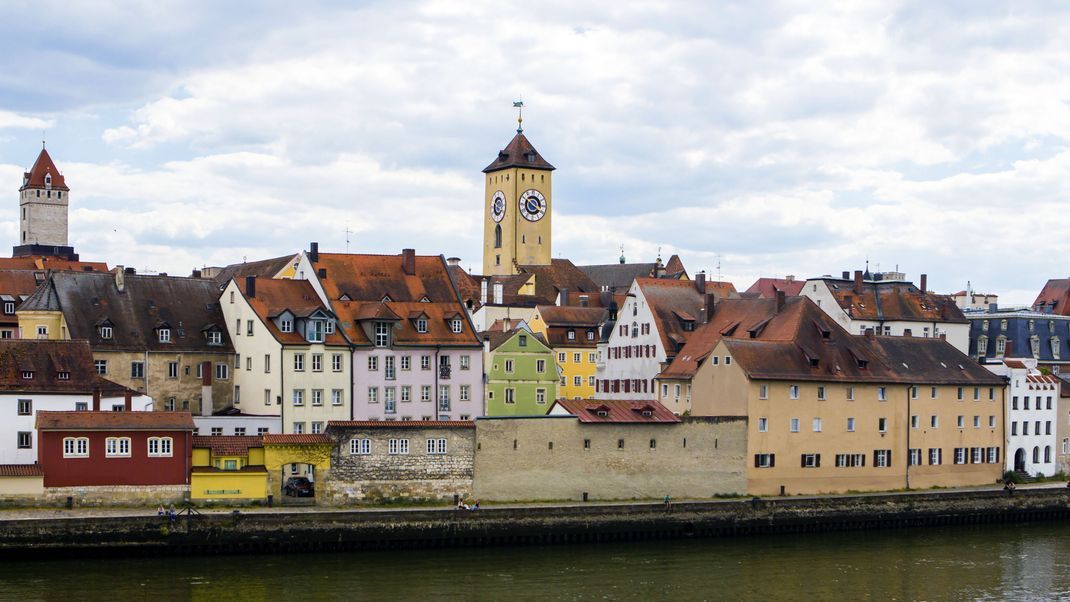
<point x="1017" y="562"/>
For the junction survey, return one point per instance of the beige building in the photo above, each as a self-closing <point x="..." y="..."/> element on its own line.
<point x="833" y="412"/>
<point x="609" y="450"/>
<point x="290" y="359"/>
<point x="153" y="334"/>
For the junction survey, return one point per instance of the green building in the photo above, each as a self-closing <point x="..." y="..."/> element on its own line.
<point x="521" y="375"/>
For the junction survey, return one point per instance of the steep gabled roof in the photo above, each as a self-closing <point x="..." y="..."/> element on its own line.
<point x="264" y="268"/>
<point x="273" y="297"/>
<point x="1054" y="298"/>
<point x="767" y="288"/>
<point x="35" y="178"/>
<point x="519" y="153"/>
<point x="893" y="300"/>
<point x="671" y="302"/>
<point x="559" y="276"/>
<point x="46" y="359"/>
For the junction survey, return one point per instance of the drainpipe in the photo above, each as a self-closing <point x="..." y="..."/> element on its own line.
<point x="282" y="389"/>
<point x="909" y="428"/>
<point x="352" y="384"/>
<point x="434" y="391"/>
<point x="146" y="374"/>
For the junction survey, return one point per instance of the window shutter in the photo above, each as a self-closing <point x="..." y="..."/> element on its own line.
<point x="772" y="460"/>
<point x="875" y="458"/>
<point x="803" y="462"/>
<point x="757" y="460"/>
<point x="888" y="453"/>
<point x="863" y="459"/>
<point x="817" y="461"/>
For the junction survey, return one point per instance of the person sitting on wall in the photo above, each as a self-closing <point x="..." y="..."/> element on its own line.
<point x="1009" y="487"/>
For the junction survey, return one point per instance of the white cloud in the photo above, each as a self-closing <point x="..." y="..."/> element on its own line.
<point x="9" y="119"/>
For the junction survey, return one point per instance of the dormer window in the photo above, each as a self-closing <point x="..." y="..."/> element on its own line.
<point x="164" y="335"/>
<point x="215" y="337"/>
<point x="455" y="326"/>
<point x="382" y="334"/>
<point x="329" y="327"/>
<point x="344" y="297"/>
<point x="9" y="307"/>
<point x="421" y="325"/>
<point x="647" y="413"/>
<point x="1003" y="325"/>
<point x="48" y="181"/>
<point x="424" y="299"/>
<point x="688" y="325"/>
<point x="572" y="335"/>
<point x="387" y="299"/>
<point x="63" y="376"/>
<point x="27" y="375"/>
<point x="603" y="413"/>
<point x="590" y="335"/>
<point x="863" y="364"/>
<point x="286" y="325"/>
<point x="316" y="330"/>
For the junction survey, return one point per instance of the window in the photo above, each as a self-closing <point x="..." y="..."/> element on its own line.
<point x="991" y="422"/>
<point x="882" y="458"/>
<point x="436" y="447"/>
<point x="455" y="326"/>
<point x="932" y="393"/>
<point x="465" y="392"/>
<point x="817" y="425"/>
<point x="540" y="395"/>
<point x="337" y="397"/>
<point x="299" y="397"/>
<point x="577" y="357"/>
<point x="976" y="422"/>
<point x="249" y="327"/>
<point x="821" y="392"/>
<point x="317" y="362"/>
<point x="373" y="394"/>
<point x="425" y="362"/>
<point x="850" y="425"/>
<point x="977" y="393"/>
<point x="117" y="447"/>
<point x="25" y="440"/>
<point x="27" y="375"/>
<point x="960" y="421"/>
<point x="317" y="397"/>
<point x="763" y="425"/>
<point x="336" y="362"/>
<point x="317" y="428"/>
<point x="959" y="394"/>
<point x="915" y="457"/>
<point x="421" y="326"/>
<point x="913" y="392"/>
<point x="398" y="447"/>
<point x="137" y="369"/>
<point x="935" y="456"/>
<point x="562" y="357"/>
<point x="508" y="365"/>
<point x="993" y="455"/>
<point x="764" y="460"/>
<point x="444" y="398"/>
<point x="793" y="391"/>
<point x="75" y="447"/>
<point x="388" y="368"/>
<point x="105" y="332"/>
<point x="382" y="334"/>
<point x="160" y="447"/>
<point x="811" y="460"/>
<point x="101" y="366"/>
<point x="373" y="363"/>
<point x="360" y="447"/>
<point x="299" y="428"/>
<point x="299" y="362"/>
<point x="222" y="371"/>
<point x="510" y="395"/>
<point x="425" y="393"/>
<point x="794" y="425"/>
<point x="522" y="340"/>
<point x="763" y="392"/>
<point x="25" y="407"/>
<point x="1014" y="428"/>
<point x="882" y="393"/>
<point x="42" y="332"/>
<point x="960" y="455"/>
<point x="261" y="431"/>
<point x="934" y="421"/>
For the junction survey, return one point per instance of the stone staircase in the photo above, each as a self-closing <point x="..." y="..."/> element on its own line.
<point x="1024" y="477"/>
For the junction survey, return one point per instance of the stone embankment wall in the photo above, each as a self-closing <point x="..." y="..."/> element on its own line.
<point x="101" y="496"/>
<point x="298" y="531"/>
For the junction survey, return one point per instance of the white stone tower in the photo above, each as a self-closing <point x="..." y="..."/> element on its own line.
<point x="43" y="202"/>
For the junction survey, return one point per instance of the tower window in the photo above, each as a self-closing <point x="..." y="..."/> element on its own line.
<point x="498" y="236"/>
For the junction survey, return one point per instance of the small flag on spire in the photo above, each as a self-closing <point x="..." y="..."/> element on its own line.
<point x="519" y="106"/>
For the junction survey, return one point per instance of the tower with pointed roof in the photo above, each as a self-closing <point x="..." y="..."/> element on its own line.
<point x="517" y="208"/>
<point x="43" y="200"/>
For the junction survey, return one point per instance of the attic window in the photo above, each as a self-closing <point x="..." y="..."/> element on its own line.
<point x="48" y="180"/>
<point x="421" y="325"/>
<point x="387" y="299"/>
<point x="572" y="335"/>
<point x="814" y="362"/>
<point x="286" y="325"/>
<point x="647" y="413"/>
<point x="687" y="325"/>
<point x="105" y="333"/>
<point x="63" y="375"/>
<point x="424" y="299"/>
<point x="27" y="375"/>
<point x="602" y="413"/>
<point x="523" y="340"/>
<point x="164" y="335"/>
<point x="455" y="326"/>
<point x="863" y="364"/>
<point x="344" y="297"/>
<point x="215" y="337"/>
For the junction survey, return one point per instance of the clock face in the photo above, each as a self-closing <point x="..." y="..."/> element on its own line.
<point x="497" y="206"/>
<point x="532" y="205"/>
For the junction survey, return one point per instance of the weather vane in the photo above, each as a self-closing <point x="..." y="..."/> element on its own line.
<point x="519" y="105"/>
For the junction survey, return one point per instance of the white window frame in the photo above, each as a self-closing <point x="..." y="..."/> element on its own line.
<point x="117" y="447"/>
<point x="360" y="447"/>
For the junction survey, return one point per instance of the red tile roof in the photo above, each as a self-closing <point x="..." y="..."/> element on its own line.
<point x="44" y="262"/>
<point x="21" y="470"/>
<point x="1054" y="297"/>
<point x="402" y="424"/>
<point x="35" y="178"/>
<point x="671" y="302"/>
<point x="1016" y="364"/>
<point x="519" y="153"/>
<point x="767" y="287"/>
<point x="617" y="410"/>
<point x="893" y="300"/>
<point x="292" y="439"/>
<point x="115" y="421"/>
<point x="227" y="445"/>
<point x="273" y="297"/>
<point x="46" y="359"/>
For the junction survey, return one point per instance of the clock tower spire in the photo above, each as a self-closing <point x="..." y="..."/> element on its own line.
<point x="517" y="207"/>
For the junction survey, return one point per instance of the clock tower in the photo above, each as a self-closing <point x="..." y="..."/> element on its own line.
<point x="517" y="208"/>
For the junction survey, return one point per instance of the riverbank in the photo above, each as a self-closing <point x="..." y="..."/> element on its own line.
<point x="279" y="530"/>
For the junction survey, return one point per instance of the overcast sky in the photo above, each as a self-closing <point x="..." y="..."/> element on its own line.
<point x="789" y="139"/>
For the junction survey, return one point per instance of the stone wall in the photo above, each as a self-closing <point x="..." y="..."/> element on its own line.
<point x="115" y="495"/>
<point x="561" y="458"/>
<point x="157" y="384"/>
<point x="417" y="475"/>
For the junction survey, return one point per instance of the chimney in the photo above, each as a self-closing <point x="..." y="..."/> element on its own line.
<point x="790" y="277"/>
<point x="846" y="275"/>
<point x="563" y="295"/>
<point x="120" y="278"/>
<point x="322" y="273"/>
<point x="408" y="261"/>
<point x="498" y="293"/>
<point x="196" y="273"/>
<point x="486" y="344"/>
<point x="96" y="397"/>
<point x="453" y="261"/>
<point x="711" y="306"/>
<point x="870" y="334"/>
<point x="858" y="282"/>
<point x="779" y="301"/>
<point x="700" y="283"/>
<point x="314" y="252"/>
<point x="250" y="287"/>
<point x="206" y="389"/>
<point x="924" y="282"/>
<point x="907" y="332"/>
<point x="128" y="405"/>
<point x="483" y="291"/>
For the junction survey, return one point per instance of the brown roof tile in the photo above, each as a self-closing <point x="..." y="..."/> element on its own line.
<point x="766" y="288"/>
<point x="21" y="470"/>
<point x="264" y="268"/>
<point x="1054" y="297"/>
<point x="115" y="421"/>
<point x="273" y="297"/>
<point x="46" y="359"/>
<point x="35" y="178"/>
<point x="292" y="439"/>
<point x="617" y="411"/>
<point x="519" y="153"/>
<point x="893" y="300"/>
<point x="673" y="302"/>
<point x="227" y="445"/>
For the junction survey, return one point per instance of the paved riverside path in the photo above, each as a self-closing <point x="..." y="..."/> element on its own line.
<point x="76" y="513"/>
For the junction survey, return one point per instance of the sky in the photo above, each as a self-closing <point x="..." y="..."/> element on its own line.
<point x="753" y="139"/>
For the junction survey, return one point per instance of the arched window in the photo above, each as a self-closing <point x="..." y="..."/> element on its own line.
<point x="1047" y="453"/>
<point x="1036" y="455"/>
<point x="498" y="236"/>
<point x="635" y="330"/>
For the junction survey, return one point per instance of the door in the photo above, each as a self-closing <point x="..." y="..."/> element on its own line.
<point x="1019" y="460"/>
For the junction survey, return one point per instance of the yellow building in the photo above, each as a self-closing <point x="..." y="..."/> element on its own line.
<point x="517" y="209"/>
<point x="228" y="468"/>
<point x="573" y="334"/>
<point x="833" y="412"/>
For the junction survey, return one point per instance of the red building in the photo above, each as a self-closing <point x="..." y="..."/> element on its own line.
<point x="78" y="449"/>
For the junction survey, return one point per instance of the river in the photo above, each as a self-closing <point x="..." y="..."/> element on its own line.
<point x="1015" y="562"/>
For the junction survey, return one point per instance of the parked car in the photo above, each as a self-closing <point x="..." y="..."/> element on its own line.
<point x="298" y="487"/>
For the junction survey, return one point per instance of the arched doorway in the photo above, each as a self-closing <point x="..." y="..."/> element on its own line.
<point x="1019" y="460"/>
<point x="298" y="483"/>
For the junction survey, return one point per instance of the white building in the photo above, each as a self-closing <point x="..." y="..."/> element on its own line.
<point x="1030" y="417"/>
<point x="890" y="306"/>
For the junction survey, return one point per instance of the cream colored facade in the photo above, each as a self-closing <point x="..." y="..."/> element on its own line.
<point x="810" y="427"/>
<point x="522" y="242"/>
<point x="266" y="375"/>
<point x="43" y="216"/>
<point x="42" y="325"/>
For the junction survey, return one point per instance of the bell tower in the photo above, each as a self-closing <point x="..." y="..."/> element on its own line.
<point x="43" y="202"/>
<point x="517" y="207"/>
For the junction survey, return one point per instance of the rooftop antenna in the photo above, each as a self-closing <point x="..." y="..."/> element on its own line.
<point x="348" y="232"/>
<point x="718" y="267"/>
<point x="519" y="106"/>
